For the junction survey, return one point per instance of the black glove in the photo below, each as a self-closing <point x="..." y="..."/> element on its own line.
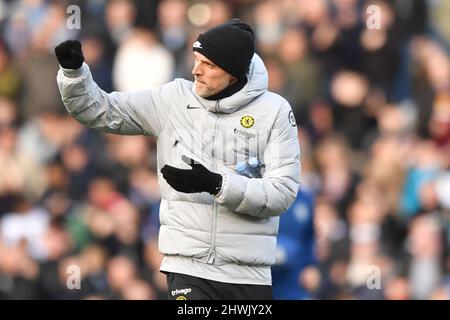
<point x="197" y="179"/>
<point x="69" y="54"/>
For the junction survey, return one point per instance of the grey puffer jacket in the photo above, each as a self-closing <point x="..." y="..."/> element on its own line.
<point x="240" y="224"/>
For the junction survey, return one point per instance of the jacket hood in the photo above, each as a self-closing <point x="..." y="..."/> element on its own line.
<point x="257" y="83"/>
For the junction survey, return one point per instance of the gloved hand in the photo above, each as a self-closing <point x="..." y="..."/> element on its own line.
<point x="69" y="54"/>
<point x="197" y="179"/>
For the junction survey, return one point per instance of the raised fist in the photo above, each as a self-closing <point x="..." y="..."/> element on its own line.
<point x="69" y="54"/>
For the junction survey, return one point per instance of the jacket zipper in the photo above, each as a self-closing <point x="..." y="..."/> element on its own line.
<point x="212" y="252"/>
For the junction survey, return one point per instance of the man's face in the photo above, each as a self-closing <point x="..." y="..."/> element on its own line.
<point x="209" y="77"/>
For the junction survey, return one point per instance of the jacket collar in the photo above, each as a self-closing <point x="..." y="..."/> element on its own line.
<point x="257" y="83"/>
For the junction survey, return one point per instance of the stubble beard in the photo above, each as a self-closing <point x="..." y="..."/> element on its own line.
<point x="202" y="89"/>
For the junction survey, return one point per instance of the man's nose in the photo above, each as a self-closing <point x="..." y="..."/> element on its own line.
<point x="196" y="70"/>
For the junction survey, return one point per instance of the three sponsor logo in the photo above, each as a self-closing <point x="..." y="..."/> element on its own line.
<point x="247" y="121"/>
<point x="291" y="118"/>
<point x="248" y="135"/>
<point x="182" y="292"/>
<point x="193" y="107"/>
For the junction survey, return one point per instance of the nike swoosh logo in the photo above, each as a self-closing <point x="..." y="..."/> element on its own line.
<point x="190" y="107"/>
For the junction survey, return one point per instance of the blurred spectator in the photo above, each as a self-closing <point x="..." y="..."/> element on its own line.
<point x="40" y="94"/>
<point x="304" y="80"/>
<point x="349" y="90"/>
<point x="121" y="271"/>
<point x="141" y="62"/>
<point x="268" y="26"/>
<point x="95" y="55"/>
<point x="442" y="190"/>
<point x="26" y="225"/>
<point x="9" y="76"/>
<point x="425" y="270"/>
<point x="172" y="23"/>
<point x="120" y="16"/>
<point x="338" y="181"/>
<point x="425" y="169"/>
<point x="397" y="289"/>
<point x="295" y="251"/>
<point x="380" y="53"/>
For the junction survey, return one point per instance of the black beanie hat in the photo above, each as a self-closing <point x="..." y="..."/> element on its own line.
<point x="230" y="45"/>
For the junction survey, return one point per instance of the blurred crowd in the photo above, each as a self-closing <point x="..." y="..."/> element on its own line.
<point x="373" y="114"/>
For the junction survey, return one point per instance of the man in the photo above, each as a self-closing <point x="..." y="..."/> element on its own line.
<point x="218" y="228"/>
